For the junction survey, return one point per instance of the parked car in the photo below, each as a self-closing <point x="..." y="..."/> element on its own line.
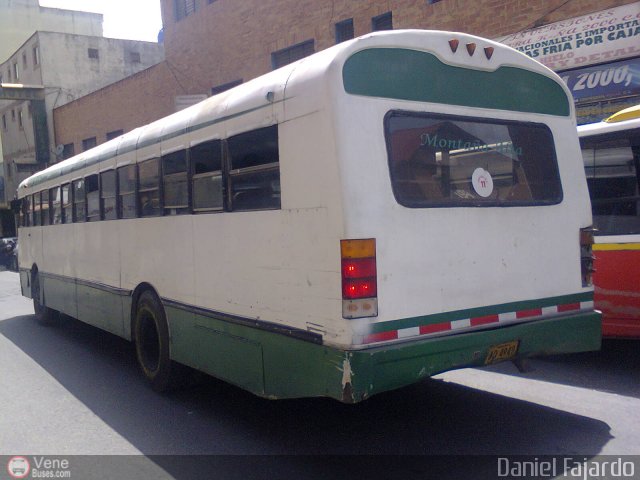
<point x="9" y="253"/>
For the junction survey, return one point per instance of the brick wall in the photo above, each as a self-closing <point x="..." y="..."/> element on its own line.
<point x="227" y="40"/>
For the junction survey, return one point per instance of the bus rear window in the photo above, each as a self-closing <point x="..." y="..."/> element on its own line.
<point x="441" y="160"/>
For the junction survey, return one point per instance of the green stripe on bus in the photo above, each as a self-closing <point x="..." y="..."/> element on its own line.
<point x="419" y="76"/>
<point x="480" y="312"/>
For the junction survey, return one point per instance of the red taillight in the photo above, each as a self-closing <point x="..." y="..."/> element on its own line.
<point x="359" y="278"/>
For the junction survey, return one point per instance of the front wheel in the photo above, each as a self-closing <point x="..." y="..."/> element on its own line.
<point x="151" y="336"/>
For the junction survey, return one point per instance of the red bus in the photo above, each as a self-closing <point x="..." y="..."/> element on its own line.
<point x="611" y="153"/>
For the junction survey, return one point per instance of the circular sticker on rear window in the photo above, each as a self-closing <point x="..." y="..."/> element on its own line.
<point x="482" y="182"/>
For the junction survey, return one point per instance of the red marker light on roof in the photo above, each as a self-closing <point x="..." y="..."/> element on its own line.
<point x="488" y="51"/>
<point x="471" y="48"/>
<point x="454" y="45"/>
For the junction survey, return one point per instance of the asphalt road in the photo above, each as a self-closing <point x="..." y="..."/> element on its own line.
<point x="72" y="390"/>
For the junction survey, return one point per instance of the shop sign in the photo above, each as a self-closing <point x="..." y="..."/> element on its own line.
<point x="618" y="79"/>
<point x="600" y="37"/>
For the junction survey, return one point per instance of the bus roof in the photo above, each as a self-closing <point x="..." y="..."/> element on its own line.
<point x="448" y="51"/>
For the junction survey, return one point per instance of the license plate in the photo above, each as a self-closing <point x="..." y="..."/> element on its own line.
<point x="501" y="352"/>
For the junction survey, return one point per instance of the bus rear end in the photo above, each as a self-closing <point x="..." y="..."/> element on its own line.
<point x="467" y="219"/>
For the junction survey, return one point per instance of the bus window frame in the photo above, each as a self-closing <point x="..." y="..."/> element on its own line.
<point x="196" y="177"/>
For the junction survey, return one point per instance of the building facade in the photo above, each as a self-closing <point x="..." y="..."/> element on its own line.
<point x="65" y="67"/>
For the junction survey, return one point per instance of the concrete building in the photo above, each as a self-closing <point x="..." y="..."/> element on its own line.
<point x="65" y="67"/>
<point x="19" y="19"/>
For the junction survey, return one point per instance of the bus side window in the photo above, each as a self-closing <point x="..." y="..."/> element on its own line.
<point x="46" y="220"/>
<point x="67" y="206"/>
<point x="37" y="214"/>
<point x="56" y="206"/>
<point x="93" y="198"/>
<point x="127" y="192"/>
<point x="108" y="195"/>
<point x="149" y="188"/>
<point x="254" y="175"/>
<point x="79" y="211"/>
<point x="207" y="185"/>
<point x="175" y="183"/>
<point x="27" y="212"/>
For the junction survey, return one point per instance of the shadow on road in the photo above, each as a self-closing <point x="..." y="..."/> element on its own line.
<point x="214" y="418"/>
<point x="613" y="369"/>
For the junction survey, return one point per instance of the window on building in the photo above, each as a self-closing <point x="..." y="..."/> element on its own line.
<point x="108" y="195"/>
<point x="16" y="72"/>
<point x="20" y="120"/>
<point x="1" y="81"/>
<point x="134" y="57"/>
<point x="79" y="211"/>
<point x="93" y="53"/>
<point x="344" y="30"/>
<point x="175" y="183"/>
<point x="92" y="190"/>
<point x="4" y="122"/>
<point x="184" y="8"/>
<point x="291" y="54"/>
<point x="254" y="177"/>
<point x="114" y="134"/>
<point x="382" y="22"/>
<point x="68" y="150"/>
<point x="149" y="188"/>
<point x="13" y="115"/>
<point x="88" y="143"/>
<point x="207" y="186"/>
<point x="67" y="206"/>
<point x="36" y="55"/>
<point x="127" y="192"/>
<point x="9" y="76"/>
<point x="225" y="86"/>
<point x="430" y="2"/>
<point x="24" y="60"/>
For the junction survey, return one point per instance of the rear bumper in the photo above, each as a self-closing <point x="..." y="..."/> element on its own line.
<point x="367" y="372"/>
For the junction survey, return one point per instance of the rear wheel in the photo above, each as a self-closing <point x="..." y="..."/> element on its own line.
<point x="151" y="335"/>
<point x="44" y="314"/>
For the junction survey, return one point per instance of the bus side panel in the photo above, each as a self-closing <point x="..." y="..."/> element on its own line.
<point x="60" y="294"/>
<point x="617" y="289"/>
<point x="221" y="349"/>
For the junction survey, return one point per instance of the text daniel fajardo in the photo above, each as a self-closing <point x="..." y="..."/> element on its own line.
<point x="565" y="467"/>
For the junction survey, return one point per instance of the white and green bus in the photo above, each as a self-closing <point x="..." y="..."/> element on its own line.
<point x="393" y="207"/>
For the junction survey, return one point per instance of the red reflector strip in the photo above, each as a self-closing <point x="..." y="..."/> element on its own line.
<point x="569" y="307"/>
<point x="535" y="312"/>
<point x="381" y="337"/>
<point x="484" y="320"/>
<point x="475" y="322"/>
<point x="434" y="328"/>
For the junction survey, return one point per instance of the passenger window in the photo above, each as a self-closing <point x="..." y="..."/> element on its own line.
<point x="56" y="206"/>
<point x="37" y="214"/>
<point x="108" y="195"/>
<point x="127" y="191"/>
<point x="79" y="211"/>
<point x="45" y="208"/>
<point x="255" y="172"/>
<point x="149" y="191"/>
<point x="67" y="206"/>
<point x="206" y="161"/>
<point x="93" y="198"/>
<point x="175" y="184"/>
<point x="27" y="212"/>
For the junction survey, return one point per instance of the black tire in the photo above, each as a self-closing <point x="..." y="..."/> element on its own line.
<point x="151" y="336"/>
<point x="44" y="314"/>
